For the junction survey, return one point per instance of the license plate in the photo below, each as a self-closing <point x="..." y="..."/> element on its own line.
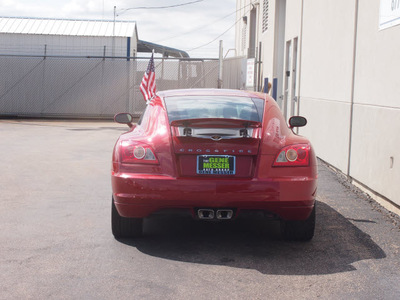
<point x="216" y="164"/>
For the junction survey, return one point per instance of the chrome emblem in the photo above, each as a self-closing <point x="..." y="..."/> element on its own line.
<point x="216" y="137"/>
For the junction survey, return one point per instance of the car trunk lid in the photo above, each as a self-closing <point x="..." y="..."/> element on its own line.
<point x="216" y="147"/>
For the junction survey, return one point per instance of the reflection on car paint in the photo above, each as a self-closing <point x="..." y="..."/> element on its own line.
<point x="273" y="132"/>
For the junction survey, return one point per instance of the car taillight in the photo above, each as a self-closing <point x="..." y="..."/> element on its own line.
<point x="132" y="152"/>
<point x="293" y="156"/>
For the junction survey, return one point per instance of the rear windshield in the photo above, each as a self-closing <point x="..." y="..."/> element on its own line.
<point x="199" y="107"/>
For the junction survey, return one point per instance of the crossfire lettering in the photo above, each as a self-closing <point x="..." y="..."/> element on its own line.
<point x="214" y="151"/>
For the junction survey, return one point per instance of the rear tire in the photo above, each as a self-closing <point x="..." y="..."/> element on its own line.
<point x="299" y="230"/>
<point x="125" y="227"/>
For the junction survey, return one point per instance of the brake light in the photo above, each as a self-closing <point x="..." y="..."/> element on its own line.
<point x="293" y="156"/>
<point x="132" y="152"/>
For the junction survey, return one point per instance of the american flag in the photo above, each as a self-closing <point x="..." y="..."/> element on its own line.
<point x="148" y="85"/>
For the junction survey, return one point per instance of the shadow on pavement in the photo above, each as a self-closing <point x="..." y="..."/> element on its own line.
<point x="255" y="244"/>
<point x="122" y="129"/>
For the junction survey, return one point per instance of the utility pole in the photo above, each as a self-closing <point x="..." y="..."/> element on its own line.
<point x="220" y="64"/>
<point x="113" y="38"/>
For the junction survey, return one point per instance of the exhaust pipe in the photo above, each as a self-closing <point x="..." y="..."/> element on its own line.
<point x="224" y="214"/>
<point x="205" y="214"/>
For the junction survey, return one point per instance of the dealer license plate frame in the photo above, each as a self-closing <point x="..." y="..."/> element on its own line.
<point x="221" y="160"/>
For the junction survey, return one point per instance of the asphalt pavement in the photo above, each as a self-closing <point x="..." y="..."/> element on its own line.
<point x="56" y="241"/>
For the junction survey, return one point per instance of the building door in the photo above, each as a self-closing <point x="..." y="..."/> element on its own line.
<point x="293" y="97"/>
<point x="279" y="50"/>
<point x="253" y="29"/>
<point x="287" y="80"/>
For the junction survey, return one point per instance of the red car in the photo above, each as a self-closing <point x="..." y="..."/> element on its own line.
<point x="216" y="154"/>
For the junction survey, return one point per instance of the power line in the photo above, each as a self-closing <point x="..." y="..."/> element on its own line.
<point x="223" y="32"/>
<point x="160" y="7"/>
<point x="196" y="29"/>
<point x="213" y="39"/>
<point x="204" y="26"/>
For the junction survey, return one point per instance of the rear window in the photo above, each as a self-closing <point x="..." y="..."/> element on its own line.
<point x="199" y="107"/>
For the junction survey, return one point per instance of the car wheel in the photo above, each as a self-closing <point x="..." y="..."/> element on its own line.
<point x="299" y="230"/>
<point x="125" y="227"/>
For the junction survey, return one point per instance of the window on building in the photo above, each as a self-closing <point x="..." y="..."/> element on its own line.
<point x="265" y="15"/>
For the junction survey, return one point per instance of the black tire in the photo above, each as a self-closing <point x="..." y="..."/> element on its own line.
<point x="299" y="230"/>
<point x="125" y="227"/>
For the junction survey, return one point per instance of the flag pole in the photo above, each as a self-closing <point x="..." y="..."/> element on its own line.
<point x="148" y="85"/>
<point x="152" y="55"/>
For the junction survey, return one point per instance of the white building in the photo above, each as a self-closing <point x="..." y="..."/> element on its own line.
<point x="33" y="36"/>
<point x="336" y="62"/>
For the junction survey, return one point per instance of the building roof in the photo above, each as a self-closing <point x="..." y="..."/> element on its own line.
<point x="144" y="46"/>
<point x="68" y="27"/>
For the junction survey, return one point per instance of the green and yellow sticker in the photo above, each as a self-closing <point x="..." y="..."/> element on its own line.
<point x="216" y="164"/>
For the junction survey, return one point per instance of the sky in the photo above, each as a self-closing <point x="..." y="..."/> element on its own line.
<point x="195" y="26"/>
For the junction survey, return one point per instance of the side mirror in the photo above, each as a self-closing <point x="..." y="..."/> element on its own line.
<point x="297" y="121"/>
<point x="124" y="118"/>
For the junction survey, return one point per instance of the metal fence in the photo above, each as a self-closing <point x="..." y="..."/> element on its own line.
<point x="96" y="87"/>
<point x="234" y="73"/>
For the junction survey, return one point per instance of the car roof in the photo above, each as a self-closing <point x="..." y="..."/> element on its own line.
<point x="210" y="92"/>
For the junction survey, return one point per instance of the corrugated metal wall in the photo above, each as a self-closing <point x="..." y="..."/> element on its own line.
<point x="90" y="87"/>
<point x="234" y="73"/>
<point x="29" y="44"/>
<point x="67" y="37"/>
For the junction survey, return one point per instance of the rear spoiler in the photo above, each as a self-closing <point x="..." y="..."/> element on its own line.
<point x="221" y="123"/>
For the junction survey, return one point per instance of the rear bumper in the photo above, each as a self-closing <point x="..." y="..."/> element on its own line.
<point x="142" y="195"/>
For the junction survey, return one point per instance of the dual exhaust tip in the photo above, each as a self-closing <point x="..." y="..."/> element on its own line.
<point x="209" y="214"/>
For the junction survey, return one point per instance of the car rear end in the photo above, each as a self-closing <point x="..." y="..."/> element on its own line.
<point x="219" y="155"/>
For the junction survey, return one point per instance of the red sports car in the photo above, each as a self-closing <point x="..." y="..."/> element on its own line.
<point x="215" y="154"/>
